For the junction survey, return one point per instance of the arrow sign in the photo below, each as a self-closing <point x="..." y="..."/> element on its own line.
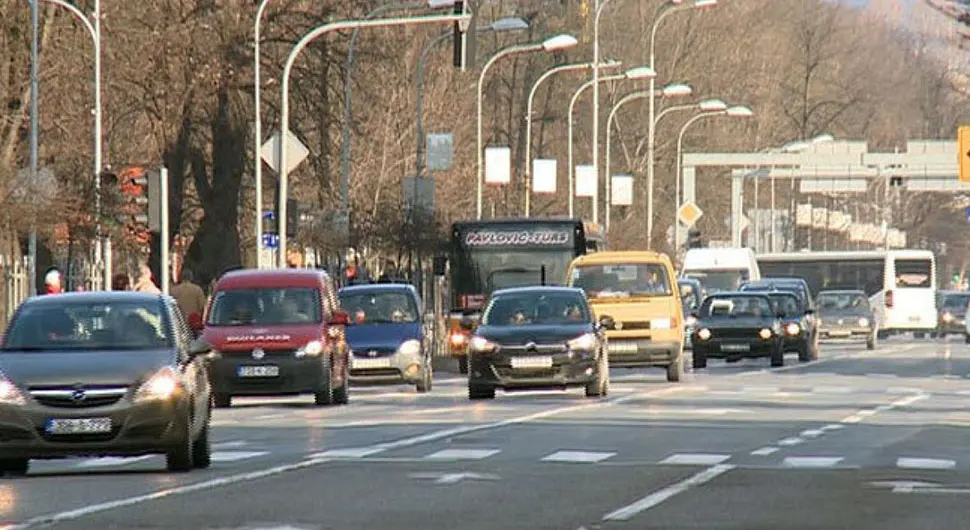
<point x="454" y="478"/>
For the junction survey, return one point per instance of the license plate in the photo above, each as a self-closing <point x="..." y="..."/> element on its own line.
<point x="735" y="347"/>
<point x="258" y="371"/>
<point x="622" y="347"/>
<point x="366" y="364"/>
<point x="531" y="362"/>
<point x="839" y="333"/>
<point x="78" y="425"/>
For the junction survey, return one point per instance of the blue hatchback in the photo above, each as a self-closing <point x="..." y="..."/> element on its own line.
<point x="386" y="335"/>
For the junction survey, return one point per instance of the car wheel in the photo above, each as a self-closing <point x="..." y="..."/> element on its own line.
<point x="477" y="392"/>
<point x="600" y="387"/>
<point x="179" y="458"/>
<point x="324" y="394"/>
<point x="14" y="467"/>
<point x="675" y="370"/>
<point x="700" y="359"/>
<point x="222" y="401"/>
<point x="463" y="365"/>
<point x="202" y="449"/>
<point x="425" y="384"/>
<point x="777" y="357"/>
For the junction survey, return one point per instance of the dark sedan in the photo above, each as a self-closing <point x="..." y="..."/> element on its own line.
<point x="737" y="325"/>
<point x="847" y="316"/>
<point x="538" y="337"/>
<point x="799" y="329"/>
<point x="952" y="318"/>
<point x="102" y="374"/>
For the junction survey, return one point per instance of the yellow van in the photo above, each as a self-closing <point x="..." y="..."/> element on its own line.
<point x="638" y="291"/>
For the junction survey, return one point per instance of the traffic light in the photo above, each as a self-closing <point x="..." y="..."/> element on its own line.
<point x="464" y="40"/>
<point x="694" y="239"/>
<point x="143" y="190"/>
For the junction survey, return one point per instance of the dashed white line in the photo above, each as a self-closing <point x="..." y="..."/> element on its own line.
<point x="812" y="433"/>
<point x="764" y="451"/>
<point x="866" y="413"/>
<point x="832" y="427"/>
<point x="627" y="512"/>
<point x="851" y="419"/>
<point x="811" y="461"/>
<point x="788" y="442"/>
<point x="462" y="454"/>
<point x="695" y="459"/>
<point x="925" y="463"/>
<point x="584" y="457"/>
<point x="348" y="452"/>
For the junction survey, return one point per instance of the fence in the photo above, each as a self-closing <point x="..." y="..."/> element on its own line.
<point x="16" y="286"/>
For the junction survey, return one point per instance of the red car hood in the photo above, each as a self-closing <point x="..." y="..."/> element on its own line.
<point x="236" y="338"/>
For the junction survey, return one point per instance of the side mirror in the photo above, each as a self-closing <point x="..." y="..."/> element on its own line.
<point x="467" y="324"/>
<point x="199" y="347"/>
<point x="607" y="322"/>
<point x="339" y="318"/>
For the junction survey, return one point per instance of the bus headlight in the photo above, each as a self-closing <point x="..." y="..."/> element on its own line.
<point x="765" y="333"/>
<point x="704" y="334"/>
<point x="792" y="329"/>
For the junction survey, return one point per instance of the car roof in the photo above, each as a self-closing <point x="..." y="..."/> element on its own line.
<point x="752" y="294"/>
<point x="256" y="278"/>
<point x="379" y="287"/>
<point x="779" y="280"/>
<point x="540" y="289"/>
<point x="842" y="291"/>
<point x="94" y="297"/>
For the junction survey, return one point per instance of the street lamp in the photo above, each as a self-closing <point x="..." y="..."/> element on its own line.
<point x="633" y="74"/>
<point x="463" y="20"/>
<point x="552" y="44"/>
<point x="528" y="119"/>
<point x="671" y="90"/>
<point x="734" y="112"/>
<point x="505" y="24"/>
<point x="672" y="6"/>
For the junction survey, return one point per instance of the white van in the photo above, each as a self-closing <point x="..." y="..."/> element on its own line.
<point x="721" y="269"/>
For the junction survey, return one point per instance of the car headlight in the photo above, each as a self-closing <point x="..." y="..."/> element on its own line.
<point x="312" y="348"/>
<point x="765" y="333"/>
<point x="792" y="329"/>
<point x="585" y="342"/>
<point x="481" y="345"/>
<point x="947" y="317"/>
<point x="660" y="323"/>
<point x="704" y="334"/>
<point x="163" y="385"/>
<point x="864" y="322"/>
<point x="458" y="339"/>
<point x="410" y="347"/>
<point x="9" y="393"/>
<point x="690" y="322"/>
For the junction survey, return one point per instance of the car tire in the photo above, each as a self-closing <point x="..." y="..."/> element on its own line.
<point x="15" y="467"/>
<point x="463" y="365"/>
<point x="777" y="357"/>
<point x="324" y="394"/>
<point x="179" y="459"/>
<point x="202" y="449"/>
<point x="477" y="392"/>
<point x="675" y="370"/>
<point x="700" y="359"/>
<point x="427" y="380"/>
<point x="600" y="387"/>
<point x="222" y="401"/>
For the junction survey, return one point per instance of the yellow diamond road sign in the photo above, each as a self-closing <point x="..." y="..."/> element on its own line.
<point x="689" y="213"/>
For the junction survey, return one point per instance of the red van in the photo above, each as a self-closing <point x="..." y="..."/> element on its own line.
<point x="277" y="332"/>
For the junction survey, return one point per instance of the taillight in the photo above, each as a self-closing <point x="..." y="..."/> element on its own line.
<point x="889" y="299"/>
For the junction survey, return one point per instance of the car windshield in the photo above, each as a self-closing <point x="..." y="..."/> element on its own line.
<point x="128" y="325"/>
<point x="622" y="281"/>
<point x="525" y="309"/>
<point x="843" y="303"/>
<point x="736" y="307"/>
<point x="956" y="303"/>
<point x="715" y="281"/>
<point x="786" y="304"/>
<point x="269" y="306"/>
<point x="379" y="307"/>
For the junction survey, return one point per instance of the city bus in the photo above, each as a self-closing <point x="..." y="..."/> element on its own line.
<point x="494" y="254"/>
<point x="901" y="284"/>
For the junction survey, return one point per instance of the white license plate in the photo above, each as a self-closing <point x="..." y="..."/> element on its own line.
<point x="531" y="362"/>
<point x="735" y="347"/>
<point x="78" y="425"/>
<point x="367" y="364"/>
<point x="258" y="371"/>
<point x="622" y="347"/>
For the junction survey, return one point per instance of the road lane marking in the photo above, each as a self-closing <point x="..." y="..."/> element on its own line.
<point x="581" y="457"/>
<point x="866" y="413"/>
<point x="851" y="419"/>
<point x="925" y="463"/>
<point x="627" y="512"/>
<point x="232" y="456"/>
<point x="764" y="451"/>
<point x="811" y="433"/>
<point x="789" y="442"/>
<point x="811" y="461"/>
<point x="832" y="427"/>
<point x="695" y="459"/>
<point x="348" y="452"/>
<point x="463" y="454"/>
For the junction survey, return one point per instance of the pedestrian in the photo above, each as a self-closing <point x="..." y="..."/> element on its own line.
<point x="52" y="282"/>
<point x="188" y="294"/>
<point x="145" y="283"/>
<point x="120" y="282"/>
<point x="390" y="273"/>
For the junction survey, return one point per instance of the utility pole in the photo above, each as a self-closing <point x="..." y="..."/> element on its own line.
<point x="34" y="132"/>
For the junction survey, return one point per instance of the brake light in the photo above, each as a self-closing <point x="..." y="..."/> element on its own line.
<point x="889" y="299"/>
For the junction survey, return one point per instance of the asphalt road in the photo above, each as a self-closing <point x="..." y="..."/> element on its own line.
<point x="856" y="440"/>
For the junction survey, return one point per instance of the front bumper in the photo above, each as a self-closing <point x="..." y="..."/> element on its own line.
<point x="136" y="429"/>
<point x="730" y="348"/>
<point x="296" y="375"/>
<point x="845" y="332"/>
<point x="566" y="369"/>
<point x="387" y="369"/>
<point x="956" y="325"/>
<point x="635" y="352"/>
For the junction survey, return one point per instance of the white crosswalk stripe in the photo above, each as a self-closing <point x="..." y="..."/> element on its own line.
<point x="925" y="463"/>
<point x="811" y="461"/>
<point x="586" y="457"/>
<point x="695" y="459"/>
<point x="462" y="454"/>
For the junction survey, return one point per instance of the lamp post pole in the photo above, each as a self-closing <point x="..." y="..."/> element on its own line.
<point x="34" y="129"/>
<point x="569" y="140"/>
<point x="680" y="156"/>
<point x="609" y="143"/>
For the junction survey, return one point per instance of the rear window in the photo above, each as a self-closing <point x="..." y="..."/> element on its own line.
<point x="914" y="273"/>
<point x="269" y="306"/>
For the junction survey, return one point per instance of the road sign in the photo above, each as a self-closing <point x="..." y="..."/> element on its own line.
<point x="963" y="144"/>
<point x="689" y="213"/>
<point x="296" y="152"/>
<point x="271" y="240"/>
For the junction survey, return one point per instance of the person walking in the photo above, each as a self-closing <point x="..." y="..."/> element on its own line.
<point x="145" y="283"/>
<point x="53" y="282"/>
<point x="188" y="294"/>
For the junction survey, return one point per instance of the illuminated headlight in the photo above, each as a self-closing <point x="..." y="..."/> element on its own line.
<point x="585" y="342"/>
<point x="458" y="339"/>
<point x="864" y="322"/>
<point x="163" y="385"/>
<point x="704" y="334"/>
<point x="312" y="348"/>
<point x="660" y="323"/>
<point x="409" y="347"/>
<point x="792" y="329"/>
<point x="481" y="345"/>
<point x="690" y="322"/>
<point x="9" y="393"/>
<point x="765" y="333"/>
<point x="947" y="317"/>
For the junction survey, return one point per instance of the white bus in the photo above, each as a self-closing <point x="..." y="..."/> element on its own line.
<point x="901" y="284"/>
